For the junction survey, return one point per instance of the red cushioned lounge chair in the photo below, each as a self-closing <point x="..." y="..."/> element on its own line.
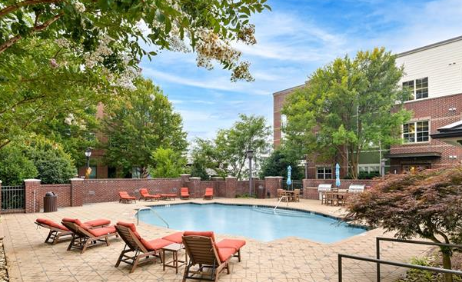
<point x="140" y="248"/>
<point x="184" y="193"/>
<point x="57" y="230"/>
<point x="83" y="236"/>
<point x="125" y="198"/>
<point x="144" y="194"/>
<point x="208" y="194"/>
<point x="169" y="196"/>
<point x="204" y="252"/>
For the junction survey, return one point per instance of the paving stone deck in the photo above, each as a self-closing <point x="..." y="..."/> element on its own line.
<point x="289" y="259"/>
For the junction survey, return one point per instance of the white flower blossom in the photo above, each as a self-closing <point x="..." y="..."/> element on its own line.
<point x="79" y="7"/>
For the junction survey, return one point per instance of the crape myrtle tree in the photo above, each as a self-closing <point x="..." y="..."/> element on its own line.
<point x="427" y="204"/>
<point x="137" y="124"/>
<point x="108" y="32"/>
<point x="348" y="106"/>
<point x="226" y="154"/>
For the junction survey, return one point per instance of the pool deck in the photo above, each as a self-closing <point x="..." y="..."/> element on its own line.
<point x="287" y="259"/>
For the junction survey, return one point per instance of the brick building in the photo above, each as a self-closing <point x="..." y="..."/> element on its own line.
<point x="434" y="74"/>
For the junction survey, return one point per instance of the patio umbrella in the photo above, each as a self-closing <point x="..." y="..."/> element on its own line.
<point x="337" y="175"/>
<point x="289" y="174"/>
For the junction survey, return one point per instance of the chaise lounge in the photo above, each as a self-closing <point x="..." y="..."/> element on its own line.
<point x="83" y="236"/>
<point x="184" y="193"/>
<point x="144" y="194"/>
<point x="124" y="197"/>
<point x="204" y="252"/>
<point x="208" y="194"/>
<point x="57" y="231"/>
<point x="169" y="196"/>
<point x="142" y="250"/>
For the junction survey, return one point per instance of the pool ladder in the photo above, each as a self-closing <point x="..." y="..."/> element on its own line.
<point x="154" y="212"/>
<point x="280" y="200"/>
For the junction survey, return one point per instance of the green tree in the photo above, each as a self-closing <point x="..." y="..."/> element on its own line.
<point x="426" y="204"/>
<point x="276" y="165"/>
<point x="168" y="163"/>
<point x="54" y="166"/>
<point x="42" y="84"/>
<point x="226" y="154"/>
<point x="137" y="124"/>
<point x="203" y="155"/>
<point x="349" y="106"/>
<point x="15" y="166"/>
<point x="105" y="31"/>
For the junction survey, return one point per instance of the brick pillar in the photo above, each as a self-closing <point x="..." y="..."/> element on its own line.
<point x="231" y="186"/>
<point x="195" y="187"/>
<point x="272" y="183"/>
<point x="184" y="179"/>
<point x="77" y="192"/>
<point x="31" y="191"/>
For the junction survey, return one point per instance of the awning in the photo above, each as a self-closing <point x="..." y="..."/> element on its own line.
<point x="414" y="155"/>
<point x="451" y="133"/>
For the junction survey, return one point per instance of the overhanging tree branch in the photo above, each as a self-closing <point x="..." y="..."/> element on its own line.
<point x="5" y="11"/>
<point x="36" y="28"/>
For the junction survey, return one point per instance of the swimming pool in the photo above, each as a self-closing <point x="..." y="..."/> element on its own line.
<point x="250" y="221"/>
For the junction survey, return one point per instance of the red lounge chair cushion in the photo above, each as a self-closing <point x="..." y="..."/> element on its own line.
<point x="200" y="233"/>
<point x="144" y="191"/>
<point x="168" y="195"/>
<point x="184" y="191"/>
<point x="124" y="195"/>
<point x="73" y="220"/>
<point x="131" y="226"/>
<point x="51" y="223"/>
<point x="97" y="222"/>
<point x="175" y="237"/>
<point x="231" y="243"/>
<point x="225" y="253"/>
<point x="152" y="196"/>
<point x="208" y="192"/>
<point x="156" y="244"/>
<point x="102" y="231"/>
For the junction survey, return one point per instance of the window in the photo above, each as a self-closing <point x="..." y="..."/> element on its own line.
<point x="369" y="168"/>
<point x="416" y="132"/>
<point x="418" y="88"/>
<point x="324" y="173"/>
<point x="421" y="88"/>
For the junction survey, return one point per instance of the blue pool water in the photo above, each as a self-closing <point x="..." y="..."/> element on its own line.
<point x="254" y="222"/>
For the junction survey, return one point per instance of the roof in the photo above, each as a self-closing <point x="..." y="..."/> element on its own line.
<point x="451" y="133"/>
<point x="431" y="46"/>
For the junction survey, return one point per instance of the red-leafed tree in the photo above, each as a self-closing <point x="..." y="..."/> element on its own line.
<point x="427" y="204"/>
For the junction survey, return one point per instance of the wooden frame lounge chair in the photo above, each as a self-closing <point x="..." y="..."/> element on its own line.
<point x="184" y="193"/>
<point x="169" y="196"/>
<point x="208" y="194"/>
<point x="203" y="251"/>
<point x="83" y="236"/>
<point x="57" y="231"/>
<point x="144" y="194"/>
<point x="124" y="197"/>
<point x="142" y="250"/>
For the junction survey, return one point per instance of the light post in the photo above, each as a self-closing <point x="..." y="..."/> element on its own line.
<point x="88" y="155"/>
<point x="249" y="155"/>
<point x="382" y="167"/>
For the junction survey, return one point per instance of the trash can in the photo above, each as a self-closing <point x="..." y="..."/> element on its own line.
<point x="261" y="192"/>
<point x="50" y="202"/>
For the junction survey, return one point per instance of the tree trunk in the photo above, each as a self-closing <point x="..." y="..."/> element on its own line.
<point x="447" y="264"/>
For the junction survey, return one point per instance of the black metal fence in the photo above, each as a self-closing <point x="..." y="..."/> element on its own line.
<point x="13" y="198"/>
<point x="380" y="261"/>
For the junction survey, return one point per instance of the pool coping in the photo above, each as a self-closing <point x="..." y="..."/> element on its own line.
<point x="366" y="228"/>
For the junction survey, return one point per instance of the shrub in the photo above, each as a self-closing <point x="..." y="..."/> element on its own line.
<point x="15" y="166"/>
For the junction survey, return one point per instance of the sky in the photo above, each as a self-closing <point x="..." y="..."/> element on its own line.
<point x="294" y="39"/>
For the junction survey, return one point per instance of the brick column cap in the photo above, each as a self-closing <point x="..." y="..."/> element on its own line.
<point x="185" y="174"/>
<point x="76" y="179"/>
<point x="230" y="177"/>
<point x="194" y="178"/>
<point x="32" y="180"/>
<point x="274" y="177"/>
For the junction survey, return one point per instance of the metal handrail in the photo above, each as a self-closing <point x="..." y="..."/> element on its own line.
<point x="399" y="264"/>
<point x="377" y="247"/>
<point x="155" y="213"/>
<point x="280" y="199"/>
